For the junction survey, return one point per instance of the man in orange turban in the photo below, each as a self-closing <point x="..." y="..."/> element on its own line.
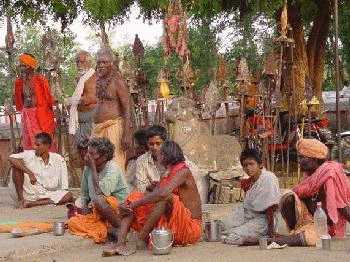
<point x="34" y="100"/>
<point x="324" y="181"/>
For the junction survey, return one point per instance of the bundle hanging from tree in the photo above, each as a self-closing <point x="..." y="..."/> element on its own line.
<point x="175" y="31"/>
<point x="137" y="49"/>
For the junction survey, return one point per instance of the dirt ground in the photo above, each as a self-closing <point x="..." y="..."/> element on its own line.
<point x="205" y="252"/>
<point x="48" y="248"/>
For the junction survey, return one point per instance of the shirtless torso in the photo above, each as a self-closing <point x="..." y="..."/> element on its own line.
<point x="189" y="195"/>
<point x="88" y="99"/>
<point x="112" y="98"/>
<point x="29" y="99"/>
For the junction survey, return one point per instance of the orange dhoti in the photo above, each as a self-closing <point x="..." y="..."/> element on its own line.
<point x="185" y="229"/>
<point x="92" y="225"/>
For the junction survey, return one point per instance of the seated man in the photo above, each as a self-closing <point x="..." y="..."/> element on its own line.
<point x="174" y="204"/>
<point x="148" y="167"/>
<point x="324" y="181"/>
<point x="39" y="177"/>
<point x="300" y="223"/>
<point x="256" y="216"/>
<point x="104" y="187"/>
<point x="140" y="140"/>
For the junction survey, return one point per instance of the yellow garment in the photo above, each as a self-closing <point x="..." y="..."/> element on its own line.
<point x="312" y="148"/>
<point x="27" y="226"/>
<point x="92" y="225"/>
<point x="113" y="130"/>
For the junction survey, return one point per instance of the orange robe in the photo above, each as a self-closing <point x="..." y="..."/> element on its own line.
<point x="92" y="225"/>
<point x="185" y="229"/>
<point x="44" y="105"/>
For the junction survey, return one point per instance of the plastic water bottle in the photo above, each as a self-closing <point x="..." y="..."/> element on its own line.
<point x="320" y="220"/>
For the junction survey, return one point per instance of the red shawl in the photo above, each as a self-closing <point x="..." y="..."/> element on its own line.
<point x="172" y="172"/>
<point x="44" y="101"/>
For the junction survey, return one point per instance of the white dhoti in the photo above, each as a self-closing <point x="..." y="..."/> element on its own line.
<point x="36" y="192"/>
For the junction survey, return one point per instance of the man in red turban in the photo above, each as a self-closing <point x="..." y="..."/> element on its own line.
<point x="34" y="100"/>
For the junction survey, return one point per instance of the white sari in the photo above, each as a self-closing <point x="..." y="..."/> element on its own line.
<point x="249" y="219"/>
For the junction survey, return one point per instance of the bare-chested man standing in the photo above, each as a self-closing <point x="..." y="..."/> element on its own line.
<point x="112" y="116"/>
<point x="83" y="100"/>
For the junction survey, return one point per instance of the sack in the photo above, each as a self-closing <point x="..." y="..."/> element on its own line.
<point x="223" y="190"/>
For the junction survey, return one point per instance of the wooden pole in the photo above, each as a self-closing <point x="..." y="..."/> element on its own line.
<point x="337" y="82"/>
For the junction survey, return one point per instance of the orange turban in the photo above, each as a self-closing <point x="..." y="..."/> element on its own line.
<point x="312" y="148"/>
<point x="28" y="60"/>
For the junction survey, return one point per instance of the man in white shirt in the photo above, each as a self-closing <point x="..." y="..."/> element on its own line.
<point x="39" y="177"/>
<point x="148" y="167"/>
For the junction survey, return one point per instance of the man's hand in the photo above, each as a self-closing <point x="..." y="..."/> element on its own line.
<point x="89" y="161"/>
<point x="32" y="179"/>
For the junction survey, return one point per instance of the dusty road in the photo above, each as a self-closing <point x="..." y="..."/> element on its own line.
<point x="48" y="248"/>
<point x="205" y="252"/>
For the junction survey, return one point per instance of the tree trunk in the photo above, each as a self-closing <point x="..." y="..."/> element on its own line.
<point x="301" y="70"/>
<point x="316" y="46"/>
<point x="309" y="58"/>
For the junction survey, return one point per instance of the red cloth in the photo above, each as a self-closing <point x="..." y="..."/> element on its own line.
<point x="332" y="178"/>
<point x="246" y="183"/>
<point x="44" y="102"/>
<point x="30" y="127"/>
<point x="172" y="172"/>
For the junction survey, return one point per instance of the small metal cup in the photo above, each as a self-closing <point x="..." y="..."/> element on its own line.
<point x="326" y="242"/>
<point x="263" y="243"/>
<point x="58" y="228"/>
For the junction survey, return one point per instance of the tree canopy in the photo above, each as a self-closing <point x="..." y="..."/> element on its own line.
<point x="311" y="21"/>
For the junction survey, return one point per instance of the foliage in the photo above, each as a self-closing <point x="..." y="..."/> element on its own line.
<point x="32" y="11"/>
<point x="107" y="11"/>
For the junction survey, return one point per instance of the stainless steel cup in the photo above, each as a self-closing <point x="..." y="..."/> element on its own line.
<point x="58" y="228"/>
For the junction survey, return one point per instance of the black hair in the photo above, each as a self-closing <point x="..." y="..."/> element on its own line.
<point x="252" y="154"/>
<point x="172" y="153"/>
<point x="157" y="131"/>
<point x="82" y="143"/>
<point x="103" y="146"/>
<point x="44" y="138"/>
<point x="141" y="137"/>
<point x="249" y="113"/>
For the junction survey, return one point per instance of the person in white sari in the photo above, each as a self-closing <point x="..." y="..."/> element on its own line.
<point x="256" y="216"/>
<point x="82" y="101"/>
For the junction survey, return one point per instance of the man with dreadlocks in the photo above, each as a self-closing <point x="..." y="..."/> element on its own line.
<point x="112" y="117"/>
